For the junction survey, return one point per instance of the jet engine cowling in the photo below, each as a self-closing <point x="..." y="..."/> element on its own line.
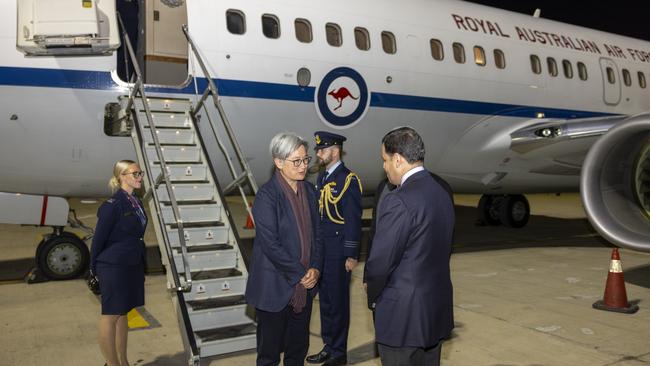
<point x="615" y="184"/>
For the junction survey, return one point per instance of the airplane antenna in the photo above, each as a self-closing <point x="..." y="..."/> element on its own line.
<point x="537" y="13"/>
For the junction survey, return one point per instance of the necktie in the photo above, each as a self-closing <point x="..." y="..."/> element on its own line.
<point x="138" y="209"/>
<point x="322" y="183"/>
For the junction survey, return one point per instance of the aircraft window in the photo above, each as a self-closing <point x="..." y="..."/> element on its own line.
<point x="535" y="64"/>
<point x="642" y="83"/>
<point x="362" y="38"/>
<point x="499" y="59"/>
<point x="459" y="53"/>
<point x="627" y="79"/>
<point x="611" y="77"/>
<point x="303" y="30"/>
<point x="235" y="21"/>
<point x="333" y="34"/>
<point x="388" y="42"/>
<point x="479" y="55"/>
<point x="552" y="66"/>
<point x="270" y="26"/>
<point x="568" y="69"/>
<point x="582" y="71"/>
<point x="436" y="50"/>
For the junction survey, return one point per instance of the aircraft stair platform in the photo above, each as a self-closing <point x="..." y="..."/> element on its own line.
<point x="195" y="229"/>
<point x="199" y="244"/>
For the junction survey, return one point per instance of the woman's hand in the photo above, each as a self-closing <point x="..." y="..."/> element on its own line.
<point x="310" y="278"/>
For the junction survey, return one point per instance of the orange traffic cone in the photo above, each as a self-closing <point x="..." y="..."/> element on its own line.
<point x="249" y="220"/>
<point x="615" y="298"/>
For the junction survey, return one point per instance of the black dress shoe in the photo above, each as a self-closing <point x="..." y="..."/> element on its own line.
<point x="320" y="357"/>
<point x="336" y="361"/>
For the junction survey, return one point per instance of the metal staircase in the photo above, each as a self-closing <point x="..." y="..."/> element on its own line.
<point x="195" y="231"/>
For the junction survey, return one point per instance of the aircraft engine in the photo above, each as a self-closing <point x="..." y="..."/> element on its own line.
<point x="615" y="184"/>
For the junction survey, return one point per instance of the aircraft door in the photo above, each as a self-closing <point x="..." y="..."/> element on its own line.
<point x="611" y="81"/>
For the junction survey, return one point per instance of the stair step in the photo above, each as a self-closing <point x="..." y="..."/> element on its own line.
<point x="217" y="302"/>
<point x="198" y="236"/>
<point x="183" y="172"/>
<point x="197" y="224"/>
<point x="186" y="192"/>
<point x="209" y="335"/>
<point x="165" y="104"/>
<point x="176" y="154"/>
<point x="215" y="274"/>
<point x="166" y="119"/>
<point x="171" y="136"/>
<point x="205" y="260"/>
<point x="194" y="213"/>
<point x="216" y="286"/>
<point x="209" y="248"/>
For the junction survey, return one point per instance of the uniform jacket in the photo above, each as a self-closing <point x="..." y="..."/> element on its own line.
<point x="349" y="208"/>
<point x="408" y="269"/>
<point x="275" y="266"/>
<point x="118" y="237"/>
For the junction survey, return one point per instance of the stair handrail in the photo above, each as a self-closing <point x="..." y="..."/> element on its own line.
<point x="214" y="92"/>
<point x="138" y="88"/>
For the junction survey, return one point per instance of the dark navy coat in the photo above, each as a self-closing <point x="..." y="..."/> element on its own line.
<point x="349" y="208"/>
<point x="118" y="238"/>
<point x="275" y="266"/>
<point x="407" y="271"/>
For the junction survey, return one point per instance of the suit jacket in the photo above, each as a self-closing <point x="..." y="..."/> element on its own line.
<point x="349" y="207"/>
<point x="275" y="265"/>
<point x="118" y="237"/>
<point x="407" y="271"/>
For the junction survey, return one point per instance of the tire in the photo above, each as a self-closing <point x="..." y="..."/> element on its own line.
<point x="515" y="211"/>
<point x="62" y="257"/>
<point x="488" y="209"/>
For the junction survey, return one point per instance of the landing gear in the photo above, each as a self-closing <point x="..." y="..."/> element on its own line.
<point x="510" y="210"/>
<point x="62" y="256"/>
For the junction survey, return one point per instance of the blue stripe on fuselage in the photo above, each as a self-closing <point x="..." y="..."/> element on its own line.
<point x="101" y="80"/>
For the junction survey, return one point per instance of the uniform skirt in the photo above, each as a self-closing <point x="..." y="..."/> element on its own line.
<point x="122" y="287"/>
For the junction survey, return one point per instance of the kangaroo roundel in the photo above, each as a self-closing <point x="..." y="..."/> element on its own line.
<point x="342" y="98"/>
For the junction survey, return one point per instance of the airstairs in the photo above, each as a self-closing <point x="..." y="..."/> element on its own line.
<point x="195" y="230"/>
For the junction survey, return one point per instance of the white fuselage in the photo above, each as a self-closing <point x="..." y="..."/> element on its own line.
<point x="51" y="127"/>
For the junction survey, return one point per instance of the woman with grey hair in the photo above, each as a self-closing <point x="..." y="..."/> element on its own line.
<point x="287" y="257"/>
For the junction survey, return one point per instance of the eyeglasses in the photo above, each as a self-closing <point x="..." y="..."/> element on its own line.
<point x="297" y="162"/>
<point x="135" y="174"/>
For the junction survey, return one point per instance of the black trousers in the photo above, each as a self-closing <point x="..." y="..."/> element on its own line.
<point x="409" y="356"/>
<point x="284" y="331"/>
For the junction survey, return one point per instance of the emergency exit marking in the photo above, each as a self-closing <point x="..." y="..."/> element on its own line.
<point x="209" y="235"/>
<point x="225" y="286"/>
<point x="188" y="171"/>
<point x="200" y="289"/>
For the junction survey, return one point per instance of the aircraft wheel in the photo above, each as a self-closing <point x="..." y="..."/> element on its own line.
<point x="514" y="211"/>
<point x="62" y="257"/>
<point x="488" y="209"/>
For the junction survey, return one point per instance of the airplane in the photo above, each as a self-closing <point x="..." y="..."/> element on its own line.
<point x="507" y="103"/>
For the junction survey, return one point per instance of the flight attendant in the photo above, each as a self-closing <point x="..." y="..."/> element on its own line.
<point x="117" y="258"/>
<point x="340" y="213"/>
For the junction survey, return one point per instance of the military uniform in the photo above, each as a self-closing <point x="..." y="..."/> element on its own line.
<point x="340" y="212"/>
<point x="118" y="253"/>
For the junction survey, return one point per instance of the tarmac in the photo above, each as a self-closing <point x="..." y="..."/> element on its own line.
<point x="522" y="297"/>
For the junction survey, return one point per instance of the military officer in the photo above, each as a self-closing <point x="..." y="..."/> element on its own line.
<point x="340" y="211"/>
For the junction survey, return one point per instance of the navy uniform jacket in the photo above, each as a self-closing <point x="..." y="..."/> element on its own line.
<point x="407" y="271"/>
<point x="275" y="266"/>
<point x="118" y="238"/>
<point x="348" y="209"/>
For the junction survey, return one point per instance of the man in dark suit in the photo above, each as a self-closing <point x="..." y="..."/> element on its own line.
<point x="407" y="272"/>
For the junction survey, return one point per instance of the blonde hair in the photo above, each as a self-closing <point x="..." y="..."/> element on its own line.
<point x="118" y="169"/>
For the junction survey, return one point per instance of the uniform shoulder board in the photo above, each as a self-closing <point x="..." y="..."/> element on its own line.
<point x="110" y="200"/>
